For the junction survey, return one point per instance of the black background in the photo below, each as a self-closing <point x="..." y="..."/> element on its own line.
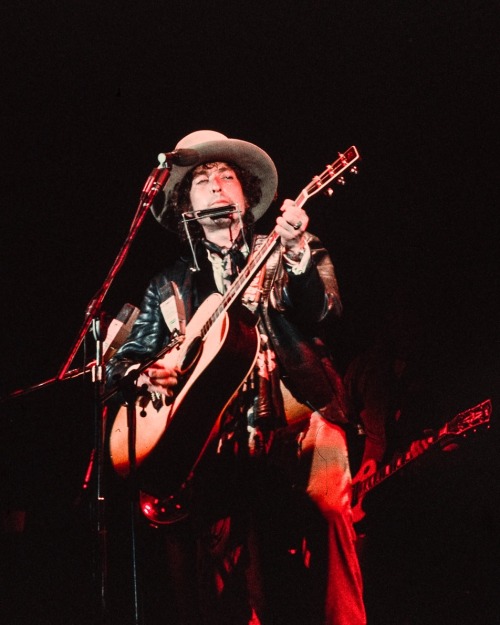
<point x="92" y="92"/>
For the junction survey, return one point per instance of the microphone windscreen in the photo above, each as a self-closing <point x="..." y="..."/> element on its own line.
<point x="187" y="157"/>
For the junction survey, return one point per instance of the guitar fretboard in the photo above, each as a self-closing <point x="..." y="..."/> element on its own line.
<point x="242" y="280"/>
<point x="386" y="471"/>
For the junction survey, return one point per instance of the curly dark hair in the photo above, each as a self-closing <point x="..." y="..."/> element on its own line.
<point x="179" y="201"/>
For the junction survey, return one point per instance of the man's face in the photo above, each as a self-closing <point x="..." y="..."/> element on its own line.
<point x="215" y="186"/>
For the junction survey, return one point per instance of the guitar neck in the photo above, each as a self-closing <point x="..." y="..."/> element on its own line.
<point x="260" y="256"/>
<point x="248" y="273"/>
<point x="361" y="488"/>
<point x="243" y="279"/>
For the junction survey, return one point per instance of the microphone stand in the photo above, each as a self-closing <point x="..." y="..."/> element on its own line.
<point x="69" y="375"/>
<point x="93" y="317"/>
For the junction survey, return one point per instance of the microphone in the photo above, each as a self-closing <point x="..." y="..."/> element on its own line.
<point x="159" y="176"/>
<point x="118" y="330"/>
<point x="183" y="157"/>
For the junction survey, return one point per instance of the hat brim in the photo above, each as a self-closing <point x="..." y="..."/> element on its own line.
<point x="242" y="153"/>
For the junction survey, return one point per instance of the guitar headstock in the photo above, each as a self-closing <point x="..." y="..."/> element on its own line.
<point x="470" y="419"/>
<point x="333" y="173"/>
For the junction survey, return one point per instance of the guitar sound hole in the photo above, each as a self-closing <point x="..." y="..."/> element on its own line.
<point x="192" y="354"/>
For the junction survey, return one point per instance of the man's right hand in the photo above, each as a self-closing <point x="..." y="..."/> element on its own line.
<point x="160" y="379"/>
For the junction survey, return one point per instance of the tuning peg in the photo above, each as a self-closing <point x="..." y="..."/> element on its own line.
<point x="354" y="170"/>
<point x="341" y="180"/>
<point x="328" y="192"/>
<point x="317" y="181"/>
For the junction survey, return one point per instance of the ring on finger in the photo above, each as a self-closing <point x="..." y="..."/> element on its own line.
<point x="297" y="225"/>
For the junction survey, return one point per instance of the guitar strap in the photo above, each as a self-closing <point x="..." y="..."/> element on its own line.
<point x="260" y="289"/>
<point x="172" y="308"/>
<point x="262" y="283"/>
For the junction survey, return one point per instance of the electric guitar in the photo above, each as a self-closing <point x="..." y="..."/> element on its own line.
<point x="216" y="354"/>
<point x="368" y="477"/>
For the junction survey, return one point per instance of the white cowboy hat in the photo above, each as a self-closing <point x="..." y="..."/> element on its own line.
<point x="213" y="146"/>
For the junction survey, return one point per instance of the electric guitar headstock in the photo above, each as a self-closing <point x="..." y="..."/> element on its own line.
<point x="468" y="420"/>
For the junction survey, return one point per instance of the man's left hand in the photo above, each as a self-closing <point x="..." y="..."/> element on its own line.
<point x="291" y="225"/>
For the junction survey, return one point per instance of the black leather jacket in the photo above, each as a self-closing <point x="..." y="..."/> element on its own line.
<point x="290" y="309"/>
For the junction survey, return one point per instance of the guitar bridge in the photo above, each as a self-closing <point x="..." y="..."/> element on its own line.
<point x="157" y="401"/>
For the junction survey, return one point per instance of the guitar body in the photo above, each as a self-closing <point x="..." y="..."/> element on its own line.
<point x="366" y="470"/>
<point x="171" y="439"/>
